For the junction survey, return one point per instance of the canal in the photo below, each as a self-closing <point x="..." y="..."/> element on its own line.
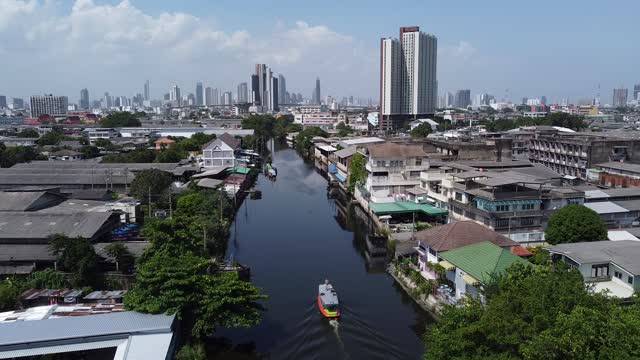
<point x="294" y="237"/>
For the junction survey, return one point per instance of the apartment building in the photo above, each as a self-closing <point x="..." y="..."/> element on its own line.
<point x="48" y="105"/>
<point x="392" y="168"/>
<point x="573" y="154"/>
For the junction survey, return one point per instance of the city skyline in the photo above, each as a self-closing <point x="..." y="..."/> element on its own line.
<point x="477" y="53"/>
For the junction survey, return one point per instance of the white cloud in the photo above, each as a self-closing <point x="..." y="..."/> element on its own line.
<point x="116" y="46"/>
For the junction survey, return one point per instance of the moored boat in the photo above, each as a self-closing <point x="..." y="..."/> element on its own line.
<point x="328" y="300"/>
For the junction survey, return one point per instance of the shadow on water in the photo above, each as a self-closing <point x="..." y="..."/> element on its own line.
<point x="300" y="232"/>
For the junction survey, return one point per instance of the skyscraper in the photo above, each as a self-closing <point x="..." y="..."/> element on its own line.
<point x="199" y="94"/>
<point x="242" y="96"/>
<point x="175" y="95"/>
<point x="408" y="84"/>
<point x="620" y="97"/>
<point x="108" y="101"/>
<point x="227" y="98"/>
<point x="18" y="103"/>
<point x="264" y="88"/>
<point x="3" y="102"/>
<point x="146" y="90"/>
<point x="48" y="104"/>
<point x="636" y="92"/>
<point x="208" y="96"/>
<point x="316" y="93"/>
<point x="282" y="89"/>
<point x="215" y="97"/>
<point x="84" y="98"/>
<point x="463" y="98"/>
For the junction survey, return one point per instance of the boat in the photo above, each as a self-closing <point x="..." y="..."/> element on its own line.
<point x="270" y="170"/>
<point x="328" y="300"/>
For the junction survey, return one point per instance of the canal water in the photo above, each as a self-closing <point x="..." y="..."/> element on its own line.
<point x="294" y="237"/>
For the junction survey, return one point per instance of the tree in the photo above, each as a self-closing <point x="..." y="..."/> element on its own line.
<point x="178" y="282"/>
<point x="103" y="143"/>
<point x="10" y="156"/>
<point x="344" y="129"/>
<point x="89" y="152"/>
<point x="533" y="313"/>
<point x="191" y="352"/>
<point x="45" y="279"/>
<point x="170" y="155"/>
<point x="120" y="119"/>
<point x="421" y="131"/>
<point x="357" y="171"/>
<point x="28" y="133"/>
<point x="304" y="137"/>
<point x="75" y="255"/>
<point x="9" y="293"/>
<point x="575" y="223"/>
<point x="123" y="257"/>
<point x="150" y="181"/>
<point x="51" y="138"/>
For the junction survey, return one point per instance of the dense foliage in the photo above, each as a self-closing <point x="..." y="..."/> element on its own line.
<point x="555" y="119"/>
<point x="12" y="155"/>
<point x="152" y="182"/>
<point x="344" y="129"/>
<point x="542" y="312"/>
<point x="267" y="127"/>
<point x="120" y="119"/>
<point x="575" y="223"/>
<point x="304" y="137"/>
<point x="357" y="172"/>
<point x="75" y="255"/>
<point x="53" y="137"/>
<point x="421" y="131"/>
<point x="175" y="276"/>
<point x="89" y="152"/>
<point x="123" y="257"/>
<point x="136" y="156"/>
<point x="28" y="133"/>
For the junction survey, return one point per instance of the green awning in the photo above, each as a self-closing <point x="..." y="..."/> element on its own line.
<point x="240" y="170"/>
<point x="401" y="207"/>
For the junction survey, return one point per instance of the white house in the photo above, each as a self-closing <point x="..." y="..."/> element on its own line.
<point x="217" y="153"/>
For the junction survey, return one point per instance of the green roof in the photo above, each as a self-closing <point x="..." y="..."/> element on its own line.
<point x="405" y="207"/>
<point x="481" y="260"/>
<point x="240" y="170"/>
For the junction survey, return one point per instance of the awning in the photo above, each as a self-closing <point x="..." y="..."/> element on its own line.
<point x="339" y="177"/>
<point x="406" y="207"/>
<point x="470" y="280"/>
<point x="332" y="169"/>
<point x="447" y="265"/>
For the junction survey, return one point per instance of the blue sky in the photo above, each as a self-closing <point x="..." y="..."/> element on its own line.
<point x="553" y="48"/>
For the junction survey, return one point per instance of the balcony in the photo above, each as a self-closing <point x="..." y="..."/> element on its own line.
<point x="505" y="195"/>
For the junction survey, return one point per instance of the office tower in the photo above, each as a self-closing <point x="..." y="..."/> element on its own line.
<point x="408" y="83"/>
<point x="274" y="104"/>
<point x="243" y="93"/>
<point x="620" y="97"/>
<point x="463" y="98"/>
<point x="3" y="102"/>
<point x="316" y="93"/>
<point x="227" y="98"/>
<point x="282" y="89"/>
<point x="167" y="97"/>
<point x="524" y="100"/>
<point x="543" y="100"/>
<point x="636" y="92"/>
<point x="48" y="104"/>
<point x="18" y="103"/>
<point x="199" y="94"/>
<point x="146" y="91"/>
<point x="215" y="97"/>
<point x="124" y="101"/>
<point x="84" y="98"/>
<point x="191" y="99"/>
<point x="108" y="101"/>
<point x="175" y="95"/>
<point x="208" y="96"/>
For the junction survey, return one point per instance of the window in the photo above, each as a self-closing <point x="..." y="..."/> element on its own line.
<point x="458" y="196"/>
<point x="500" y="208"/>
<point x="526" y="221"/>
<point x="630" y="279"/>
<point x="617" y="274"/>
<point x="527" y="206"/>
<point x="500" y="223"/>
<point x="418" y="161"/>
<point x="432" y="252"/>
<point x="380" y="163"/>
<point x="601" y="270"/>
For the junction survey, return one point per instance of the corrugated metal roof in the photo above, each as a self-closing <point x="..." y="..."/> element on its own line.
<point x="68" y="328"/>
<point x="40" y="225"/>
<point x="605" y="207"/>
<point x="153" y="346"/>
<point x="482" y="260"/>
<point x="62" y="348"/>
